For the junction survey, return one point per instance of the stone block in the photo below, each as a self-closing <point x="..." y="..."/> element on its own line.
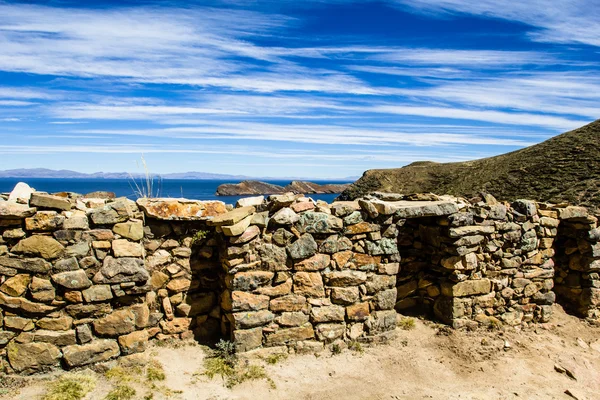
<point x="57" y="338"/>
<point x="39" y="246"/>
<point x="304" y="247"/>
<point x="97" y="293"/>
<point x="16" y="286"/>
<point x="332" y="313"/>
<point x="358" y="311"/>
<point x="32" y="357"/>
<point x="345" y="295"/>
<point x="466" y="288"/>
<point x="93" y="352"/>
<point x="117" y="323"/>
<point x="329" y="332"/>
<point x="243" y="301"/>
<point x="247" y="339"/>
<point x="309" y="284"/>
<point x="292" y="302"/>
<point x="345" y="278"/>
<point x="74" y="280"/>
<point x="290" y="335"/>
<point x="251" y="319"/>
<point x="42" y="200"/>
<point x="44" y="221"/>
<point x="135" y="342"/>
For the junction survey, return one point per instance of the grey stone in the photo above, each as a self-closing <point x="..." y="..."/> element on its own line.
<point x="33" y="265"/>
<point x="75" y="280"/>
<point x="97" y="293"/>
<point x="302" y="248"/>
<point x="285" y="216"/>
<point x="385" y="246"/>
<point x="119" y="270"/>
<point x="57" y="338"/>
<point x="245" y="320"/>
<point x="335" y="244"/>
<point x="272" y="257"/>
<point x="67" y="264"/>
<point x="318" y="222"/>
<point x="329" y="332"/>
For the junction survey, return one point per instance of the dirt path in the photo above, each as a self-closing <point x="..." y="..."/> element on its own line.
<point x="423" y="363"/>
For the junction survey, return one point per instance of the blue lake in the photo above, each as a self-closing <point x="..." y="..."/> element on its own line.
<point x="191" y="189"/>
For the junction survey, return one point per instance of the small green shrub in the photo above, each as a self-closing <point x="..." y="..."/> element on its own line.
<point x="74" y="386"/>
<point x="155" y="372"/>
<point x="336" y="349"/>
<point x="356" y="347"/>
<point x="121" y="375"/>
<point x="199" y="236"/>
<point x="251" y="373"/>
<point x="275" y="358"/>
<point x="121" y="392"/>
<point x="218" y="367"/>
<point x="407" y="323"/>
<point x="223" y="362"/>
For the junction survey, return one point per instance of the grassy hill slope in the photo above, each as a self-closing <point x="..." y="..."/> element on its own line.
<point x="563" y="168"/>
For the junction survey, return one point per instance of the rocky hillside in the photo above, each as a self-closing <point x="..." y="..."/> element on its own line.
<point x="245" y="188"/>
<point x="565" y="168"/>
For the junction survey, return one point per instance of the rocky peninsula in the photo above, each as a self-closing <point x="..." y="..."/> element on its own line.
<point x="246" y="188"/>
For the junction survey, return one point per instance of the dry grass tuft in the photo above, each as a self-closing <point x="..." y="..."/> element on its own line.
<point x="406" y="323"/>
<point x="121" y="392"/>
<point x="72" y="386"/>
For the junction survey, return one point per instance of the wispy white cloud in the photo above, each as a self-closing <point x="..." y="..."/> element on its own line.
<point x="560" y="21"/>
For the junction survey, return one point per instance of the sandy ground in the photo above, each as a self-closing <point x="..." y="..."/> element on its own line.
<point x="427" y="362"/>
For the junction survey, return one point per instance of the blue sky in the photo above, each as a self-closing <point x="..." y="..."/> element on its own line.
<point x="323" y="88"/>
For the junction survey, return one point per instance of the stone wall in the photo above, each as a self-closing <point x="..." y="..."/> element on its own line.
<point x="84" y="279"/>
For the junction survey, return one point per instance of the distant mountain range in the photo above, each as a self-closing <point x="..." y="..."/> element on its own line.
<point x="192" y="175"/>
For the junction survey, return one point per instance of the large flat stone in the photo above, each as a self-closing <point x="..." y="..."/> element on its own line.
<point x="415" y="209"/>
<point x="466" y="288"/>
<point x="238" y="228"/>
<point x="32" y="357"/>
<point x="74" y="280"/>
<point x="232" y="217"/>
<point x="14" y="211"/>
<point x="181" y="209"/>
<point x="20" y="304"/>
<point x="117" y="323"/>
<point x="133" y="230"/>
<point x="90" y="353"/>
<point x="42" y="200"/>
<point x="119" y="270"/>
<point x="291" y="335"/>
<point x="41" y="246"/>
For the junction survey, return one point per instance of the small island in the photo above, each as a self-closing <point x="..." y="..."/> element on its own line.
<point x="245" y="188"/>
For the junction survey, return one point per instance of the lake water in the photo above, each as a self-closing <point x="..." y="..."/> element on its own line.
<point x="187" y="188"/>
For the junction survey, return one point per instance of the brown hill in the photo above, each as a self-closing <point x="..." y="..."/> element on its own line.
<point x="565" y="168"/>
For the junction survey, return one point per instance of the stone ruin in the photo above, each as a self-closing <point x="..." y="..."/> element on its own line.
<point x="85" y="279"/>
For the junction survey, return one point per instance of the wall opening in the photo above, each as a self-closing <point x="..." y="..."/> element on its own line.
<point x="420" y="276"/>
<point x="577" y="266"/>
<point x="188" y="258"/>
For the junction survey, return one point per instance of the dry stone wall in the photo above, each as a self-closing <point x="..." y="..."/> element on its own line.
<point x="84" y="279"/>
